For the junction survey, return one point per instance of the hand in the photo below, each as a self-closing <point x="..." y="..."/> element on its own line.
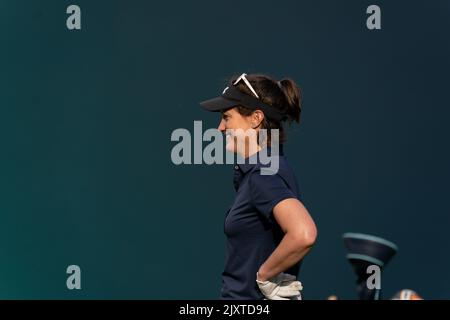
<point x="281" y="287"/>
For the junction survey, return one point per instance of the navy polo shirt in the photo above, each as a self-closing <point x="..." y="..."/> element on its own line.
<point x="250" y="227"/>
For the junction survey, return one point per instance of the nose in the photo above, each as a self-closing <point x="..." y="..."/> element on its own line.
<point x="221" y="126"/>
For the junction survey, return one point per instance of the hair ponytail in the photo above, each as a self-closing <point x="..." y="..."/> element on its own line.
<point x="293" y="97"/>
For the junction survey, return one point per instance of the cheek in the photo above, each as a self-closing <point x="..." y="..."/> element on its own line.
<point x="246" y="124"/>
<point x="230" y="124"/>
<point x="241" y="124"/>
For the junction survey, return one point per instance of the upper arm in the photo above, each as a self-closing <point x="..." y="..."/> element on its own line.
<point x="293" y="217"/>
<point x="277" y="202"/>
<point x="267" y="191"/>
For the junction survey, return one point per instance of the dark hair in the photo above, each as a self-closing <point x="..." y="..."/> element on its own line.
<point x="285" y="96"/>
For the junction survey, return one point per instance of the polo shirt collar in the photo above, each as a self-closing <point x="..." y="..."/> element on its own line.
<point x="253" y="160"/>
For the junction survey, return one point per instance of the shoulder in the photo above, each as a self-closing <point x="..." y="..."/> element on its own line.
<point x="272" y="167"/>
<point x="269" y="177"/>
<point x="269" y="188"/>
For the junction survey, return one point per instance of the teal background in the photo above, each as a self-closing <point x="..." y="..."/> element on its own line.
<point x="86" y="116"/>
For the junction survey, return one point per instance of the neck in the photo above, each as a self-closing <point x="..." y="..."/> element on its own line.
<point x="251" y="150"/>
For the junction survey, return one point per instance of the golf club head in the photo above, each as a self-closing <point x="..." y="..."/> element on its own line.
<point x="364" y="251"/>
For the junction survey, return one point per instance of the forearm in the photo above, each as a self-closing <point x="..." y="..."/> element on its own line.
<point x="290" y="251"/>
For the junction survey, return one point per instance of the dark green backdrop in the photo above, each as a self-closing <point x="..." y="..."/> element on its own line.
<point x="86" y="117"/>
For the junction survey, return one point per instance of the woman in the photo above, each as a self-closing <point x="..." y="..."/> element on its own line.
<point x="268" y="229"/>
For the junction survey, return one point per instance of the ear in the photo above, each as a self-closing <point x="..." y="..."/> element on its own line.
<point x="257" y="117"/>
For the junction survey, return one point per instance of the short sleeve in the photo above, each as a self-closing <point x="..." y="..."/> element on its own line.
<point x="267" y="191"/>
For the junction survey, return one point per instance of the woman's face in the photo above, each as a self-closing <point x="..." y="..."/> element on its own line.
<point x="237" y="141"/>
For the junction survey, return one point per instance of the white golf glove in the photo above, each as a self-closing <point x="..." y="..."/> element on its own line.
<point x="281" y="287"/>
